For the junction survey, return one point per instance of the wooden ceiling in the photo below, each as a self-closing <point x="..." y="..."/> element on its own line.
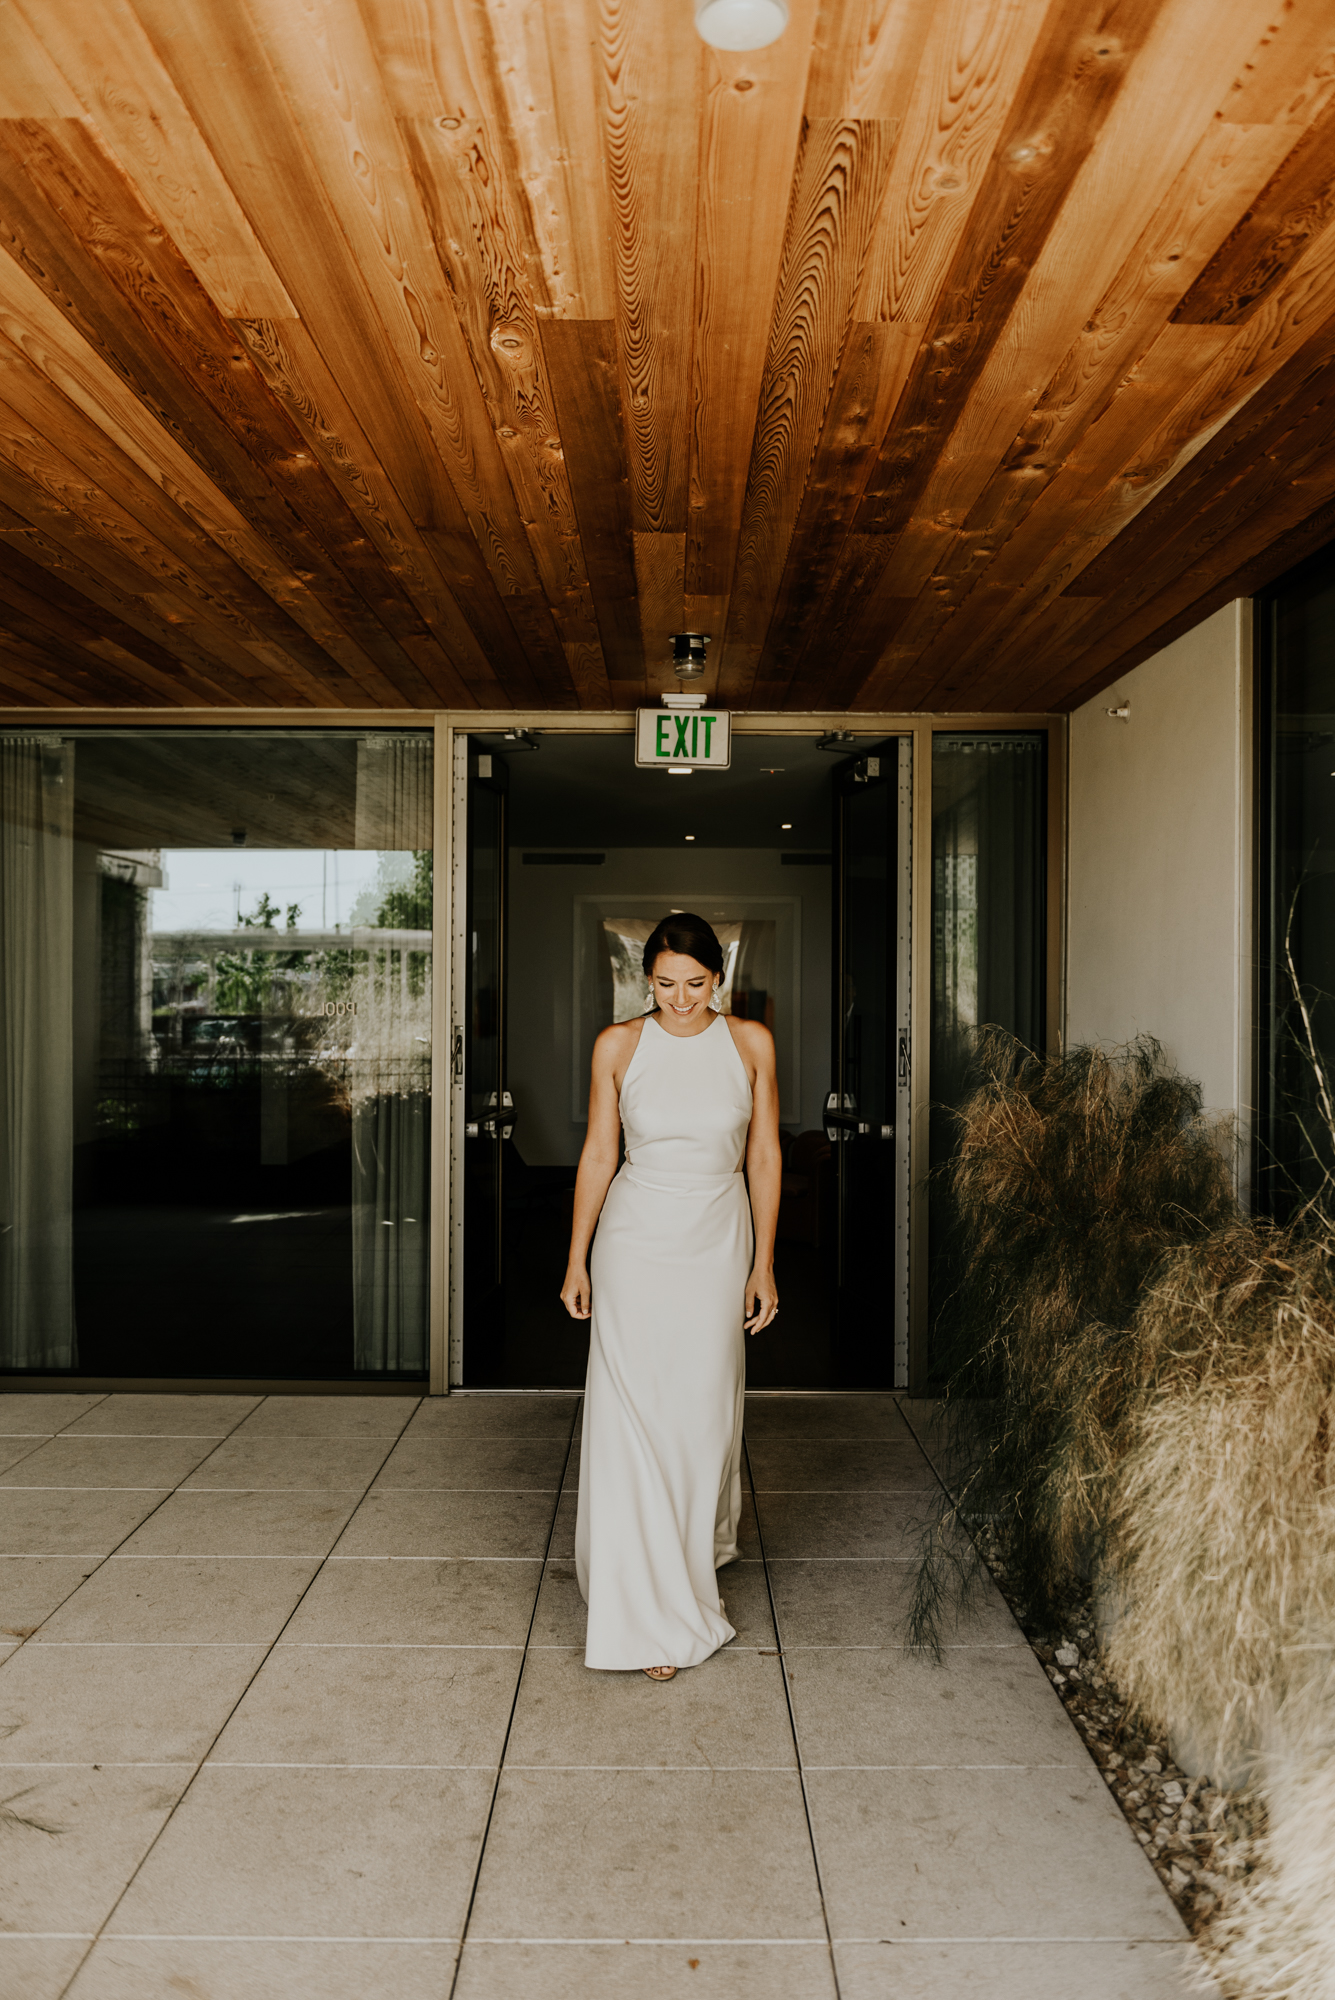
<point x="948" y="354"/>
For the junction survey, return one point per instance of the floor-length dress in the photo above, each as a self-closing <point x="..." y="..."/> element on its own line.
<point x="660" y="1490"/>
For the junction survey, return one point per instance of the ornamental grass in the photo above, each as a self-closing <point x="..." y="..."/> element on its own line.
<point x="1141" y="1393"/>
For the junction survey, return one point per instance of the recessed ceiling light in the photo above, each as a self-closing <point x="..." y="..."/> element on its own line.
<point x="741" y="24"/>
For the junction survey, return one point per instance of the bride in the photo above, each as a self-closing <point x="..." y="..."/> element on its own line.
<point x="676" y="1274"/>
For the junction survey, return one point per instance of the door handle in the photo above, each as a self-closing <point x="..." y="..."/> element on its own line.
<point x="903" y="1056"/>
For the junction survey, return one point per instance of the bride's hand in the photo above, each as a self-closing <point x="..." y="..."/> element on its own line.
<point x="760" y="1300"/>
<point x="577" y="1292"/>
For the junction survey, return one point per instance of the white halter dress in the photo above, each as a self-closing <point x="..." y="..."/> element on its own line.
<point x="660" y="1491"/>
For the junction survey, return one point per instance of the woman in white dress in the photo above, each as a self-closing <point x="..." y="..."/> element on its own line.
<point x="677" y="1273"/>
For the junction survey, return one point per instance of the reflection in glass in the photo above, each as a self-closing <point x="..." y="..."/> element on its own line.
<point x="1295" y="631"/>
<point x="988" y="934"/>
<point x="244" y="1050"/>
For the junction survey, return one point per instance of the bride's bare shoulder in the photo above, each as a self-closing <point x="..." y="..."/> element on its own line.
<point x="616" y="1043"/>
<point x="754" y="1042"/>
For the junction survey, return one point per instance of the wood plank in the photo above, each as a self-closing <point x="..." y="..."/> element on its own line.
<point x="660" y="577"/>
<point x="872" y="371"/>
<point x="367" y="335"/>
<point x="52" y="603"/>
<point x="71" y="556"/>
<point x="1296" y="205"/>
<point x="752" y="131"/>
<point x="839" y="184"/>
<point x="1314" y="531"/>
<point x="117" y="80"/>
<point x="866" y="57"/>
<point x="324" y="65"/>
<point x="462" y="189"/>
<point x="1069" y="88"/>
<point x="651" y="68"/>
<point x="582" y="362"/>
<point x="971" y="69"/>
<point x="150" y="319"/>
<point x="544" y="61"/>
<point x="44" y="487"/>
<point x="588" y="672"/>
<point x="1299" y="311"/>
<point x="450" y="584"/>
<point x="1290" y="76"/>
<point x="68" y="376"/>
<point x="1225" y="171"/>
<point x="1069" y="85"/>
<point x="1173" y="91"/>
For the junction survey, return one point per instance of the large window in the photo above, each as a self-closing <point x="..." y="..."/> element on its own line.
<point x="989" y="933"/>
<point x="215" y="1043"/>
<point x="1295" y="673"/>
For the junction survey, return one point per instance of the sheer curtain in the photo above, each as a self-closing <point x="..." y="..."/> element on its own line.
<point x="390" y="1075"/>
<point x="36" y="1053"/>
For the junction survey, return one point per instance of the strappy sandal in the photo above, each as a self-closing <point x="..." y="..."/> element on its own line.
<point x="659" y="1673"/>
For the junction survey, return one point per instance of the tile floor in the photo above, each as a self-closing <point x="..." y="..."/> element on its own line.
<point x="292" y="1703"/>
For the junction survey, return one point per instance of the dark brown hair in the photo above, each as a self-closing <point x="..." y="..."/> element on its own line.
<point x="688" y="935"/>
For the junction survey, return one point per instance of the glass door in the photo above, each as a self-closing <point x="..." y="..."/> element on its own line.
<point x="215" y="1052"/>
<point x="489" y="1109"/>
<point x="867" y="1107"/>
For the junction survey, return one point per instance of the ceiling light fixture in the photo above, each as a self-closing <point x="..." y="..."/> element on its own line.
<point x="690" y="836"/>
<point x="786" y="826"/>
<point x="740" y="24"/>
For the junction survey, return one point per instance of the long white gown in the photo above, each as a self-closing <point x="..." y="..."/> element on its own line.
<point x="660" y="1490"/>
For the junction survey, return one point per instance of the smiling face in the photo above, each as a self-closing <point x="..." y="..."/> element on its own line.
<point x="682" y="988"/>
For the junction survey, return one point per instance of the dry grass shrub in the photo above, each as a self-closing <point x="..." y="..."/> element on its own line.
<point x="1275" y="1939"/>
<point x="1223" y="1528"/>
<point x="1074" y="1178"/>
<point x="1144" y="1384"/>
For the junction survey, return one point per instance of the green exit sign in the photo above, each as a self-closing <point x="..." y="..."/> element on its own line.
<point x="696" y="738"/>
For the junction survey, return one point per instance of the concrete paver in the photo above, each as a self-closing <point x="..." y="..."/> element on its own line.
<point x="329" y="1658"/>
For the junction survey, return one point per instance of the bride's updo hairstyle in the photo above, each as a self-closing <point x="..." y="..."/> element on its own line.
<point x="687" y="935"/>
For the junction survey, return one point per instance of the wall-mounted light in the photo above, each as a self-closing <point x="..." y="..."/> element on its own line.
<point x="1122" y="714"/>
<point x="741" y="24"/>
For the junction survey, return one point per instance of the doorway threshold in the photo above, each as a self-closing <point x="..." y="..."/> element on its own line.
<point x="201" y="1385"/>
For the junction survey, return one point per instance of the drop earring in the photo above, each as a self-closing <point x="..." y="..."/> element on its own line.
<point x="714" y="999"/>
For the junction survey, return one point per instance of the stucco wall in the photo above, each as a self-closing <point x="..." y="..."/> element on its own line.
<point x="1158" y="885"/>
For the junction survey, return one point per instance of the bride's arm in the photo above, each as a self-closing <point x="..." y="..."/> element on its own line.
<point x="764" y="1177"/>
<point x="597" y="1165"/>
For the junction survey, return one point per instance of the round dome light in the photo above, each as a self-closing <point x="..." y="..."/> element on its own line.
<point x="741" y="24"/>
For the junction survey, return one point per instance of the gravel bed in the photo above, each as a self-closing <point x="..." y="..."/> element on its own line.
<point x="1200" y="1840"/>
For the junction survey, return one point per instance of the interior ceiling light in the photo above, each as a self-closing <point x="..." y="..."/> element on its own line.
<point x="740" y="24"/>
<point x="690" y="836"/>
<point x="786" y="826"/>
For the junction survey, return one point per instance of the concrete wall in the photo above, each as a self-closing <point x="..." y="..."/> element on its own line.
<point x="541" y="992"/>
<point x="1159" y="892"/>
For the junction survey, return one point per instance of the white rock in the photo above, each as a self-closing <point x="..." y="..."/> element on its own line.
<point x="1068" y="1656"/>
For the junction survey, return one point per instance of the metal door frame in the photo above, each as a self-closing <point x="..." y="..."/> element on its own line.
<point x="913" y="956"/>
<point x="451" y="729"/>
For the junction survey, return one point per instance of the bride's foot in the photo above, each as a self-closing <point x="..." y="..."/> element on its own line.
<point x="659" y="1673"/>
